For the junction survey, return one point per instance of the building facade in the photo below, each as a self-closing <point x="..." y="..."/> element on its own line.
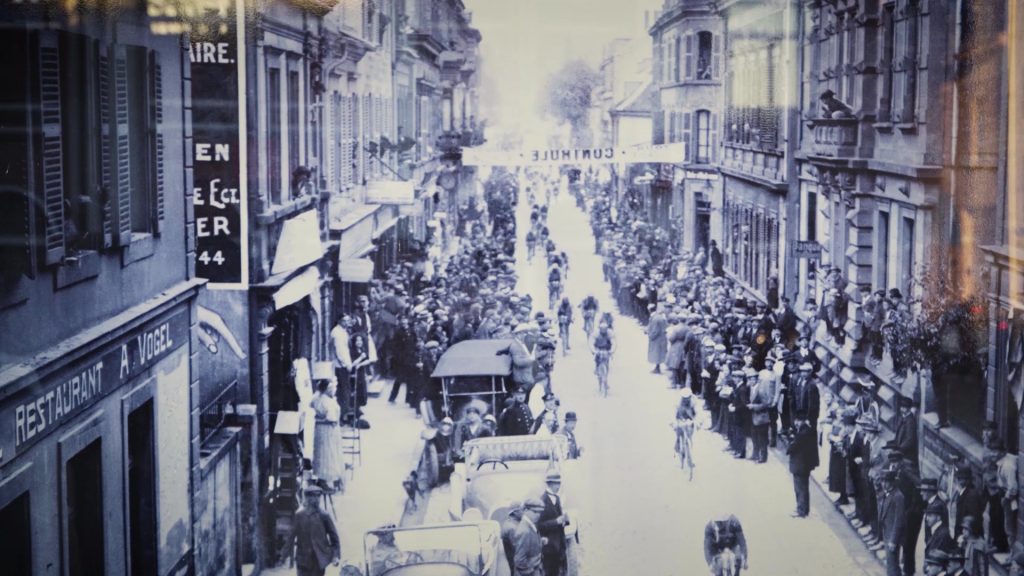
<point x="758" y="136"/>
<point x="688" y="39"/>
<point x="98" y="298"/>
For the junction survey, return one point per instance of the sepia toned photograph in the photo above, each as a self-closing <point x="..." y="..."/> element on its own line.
<point x="512" y="288"/>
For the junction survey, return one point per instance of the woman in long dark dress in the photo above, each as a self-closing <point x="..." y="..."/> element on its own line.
<point x="360" y="361"/>
<point x="839" y="441"/>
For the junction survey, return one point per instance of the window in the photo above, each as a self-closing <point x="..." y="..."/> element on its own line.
<point x="703" y="137"/>
<point x="16" y="545"/>
<point x="142" y="527"/>
<point x="812" y="216"/>
<point x="907" y="256"/>
<point x="882" y="251"/>
<point x="81" y="141"/>
<point x="274" y="134"/>
<point x="689" y="57"/>
<point x="294" y="128"/>
<point x="85" y="512"/>
<point x="704" y="55"/>
<point x="886" y="64"/>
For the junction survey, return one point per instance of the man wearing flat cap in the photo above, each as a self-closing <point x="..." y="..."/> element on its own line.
<point x="313" y="543"/>
<point x="935" y="563"/>
<point x="527" y="541"/>
<point x="551" y="525"/>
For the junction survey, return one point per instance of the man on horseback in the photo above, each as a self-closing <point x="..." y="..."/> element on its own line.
<point x="725" y="547"/>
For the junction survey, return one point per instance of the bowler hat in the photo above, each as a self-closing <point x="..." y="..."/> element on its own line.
<point x="936" y="507"/>
<point x="895" y="293"/>
<point x="570" y="416"/>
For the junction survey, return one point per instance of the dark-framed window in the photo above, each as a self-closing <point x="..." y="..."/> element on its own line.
<point x="274" y="133"/>
<point x="85" y="522"/>
<point x="704" y="55"/>
<point x="16" y="526"/>
<point x="294" y="128"/>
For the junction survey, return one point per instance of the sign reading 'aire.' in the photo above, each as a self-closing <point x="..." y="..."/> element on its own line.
<point x="653" y="153"/>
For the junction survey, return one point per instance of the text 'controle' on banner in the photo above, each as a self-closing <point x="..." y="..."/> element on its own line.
<point x="653" y="153"/>
<point x="216" y="53"/>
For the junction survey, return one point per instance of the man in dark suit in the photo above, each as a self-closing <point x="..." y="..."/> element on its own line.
<point x="805" y="400"/>
<point x="313" y="543"/>
<point x="967" y="500"/>
<point x="892" y="520"/>
<point x="551" y="526"/>
<point x="786" y="321"/>
<point x="527" y="541"/>
<point x="929" y="488"/>
<point x="937" y="529"/>
<point x="906" y="430"/>
<point x="907" y="481"/>
<point x="803" y="458"/>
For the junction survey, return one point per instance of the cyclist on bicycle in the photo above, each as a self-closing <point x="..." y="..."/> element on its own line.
<point x="564" y="258"/>
<point x="554" y="284"/>
<point x="685" y="424"/>
<point x="564" y="320"/>
<point x="602" y="346"/>
<point x="725" y="547"/>
<point x="589" y="307"/>
<point x="531" y="245"/>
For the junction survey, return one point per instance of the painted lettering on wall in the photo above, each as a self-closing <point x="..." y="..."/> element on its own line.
<point x="43" y="407"/>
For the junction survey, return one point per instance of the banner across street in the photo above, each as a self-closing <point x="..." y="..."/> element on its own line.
<point x="666" y="153"/>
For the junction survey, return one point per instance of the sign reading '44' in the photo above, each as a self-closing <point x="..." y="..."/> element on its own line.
<point x="215" y="53"/>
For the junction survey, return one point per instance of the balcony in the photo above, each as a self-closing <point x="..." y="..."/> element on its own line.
<point x="836" y="137"/>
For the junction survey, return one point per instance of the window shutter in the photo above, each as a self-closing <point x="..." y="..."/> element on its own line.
<point x="357" y="177"/>
<point x="713" y="154"/>
<point x="689" y="57"/>
<point x="716" y="56"/>
<point x="121" y="162"/>
<point x="51" y="165"/>
<point x="106" y="198"/>
<point x="157" y="102"/>
<point x="687" y="138"/>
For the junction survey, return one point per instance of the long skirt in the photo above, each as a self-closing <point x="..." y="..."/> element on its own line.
<point x="328" y="452"/>
<point x="837" y="472"/>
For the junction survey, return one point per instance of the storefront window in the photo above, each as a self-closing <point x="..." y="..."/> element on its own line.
<point x="84" y="518"/>
<point x="16" y="544"/>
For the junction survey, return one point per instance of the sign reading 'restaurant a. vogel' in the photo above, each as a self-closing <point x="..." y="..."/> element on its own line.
<point x="655" y="153"/>
<point x="217" y="54"/>
<point x="44" y="406"/>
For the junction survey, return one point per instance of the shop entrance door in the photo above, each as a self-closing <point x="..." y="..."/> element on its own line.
<point x="141" y="491"/>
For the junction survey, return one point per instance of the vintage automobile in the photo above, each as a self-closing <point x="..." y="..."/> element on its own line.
<point x="450" y="549"/>
<point x="500" y="473"/>
<point x="474" y="370"/>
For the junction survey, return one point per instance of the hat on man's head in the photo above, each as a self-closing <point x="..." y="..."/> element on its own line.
<point x="895" y="293"/>
<point x="929" y="484"/>
<point x="891" y="445"/>
<point x="552" y="477"/>
<point x="888" y="475"/>
<point x="963" y="473"/>
<point x="570" y="416"/>
<point x="549" y="396"/>
<point x="906" y="402"/>
<point x="533" y="504"/>
<point x="312" y="490"/>
<point x="895" y="455"/>
<point x="432" y="344"/>
<point x="936" y="507"/>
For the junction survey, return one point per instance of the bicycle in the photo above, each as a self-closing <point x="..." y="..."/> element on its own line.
<point x="588" y="321"/>
<point x="726" y="563"/>
<point x="684" y="444"/>
<point x="601" y="360"/>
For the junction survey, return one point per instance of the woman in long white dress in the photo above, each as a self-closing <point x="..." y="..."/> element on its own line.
<point x="328" y="465"/>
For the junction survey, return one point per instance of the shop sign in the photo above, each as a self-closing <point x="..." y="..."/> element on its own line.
<point x="217" y="54"/>
<point x="45" y="406"/>
<point x="390" y="192"/>
<point x="807" y="249"/>
<point x="699" y="175"/>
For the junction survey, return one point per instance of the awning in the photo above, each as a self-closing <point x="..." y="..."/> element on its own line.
<point x="355" y="270"/>
<point x="297" y="288"/>
<point x="299" y="243"/>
